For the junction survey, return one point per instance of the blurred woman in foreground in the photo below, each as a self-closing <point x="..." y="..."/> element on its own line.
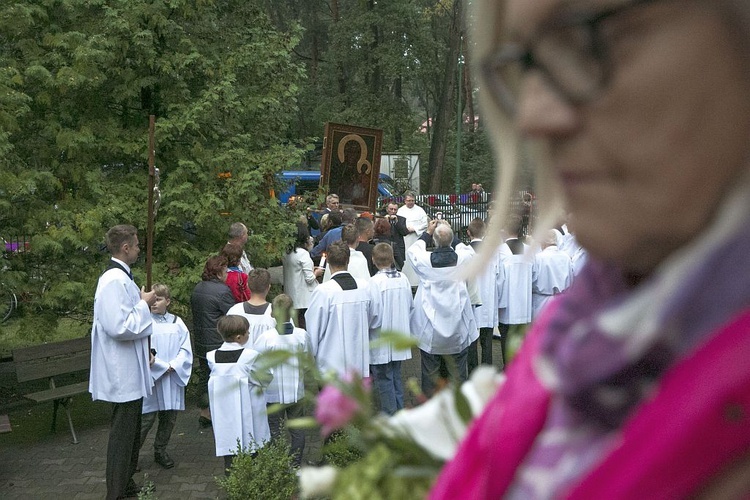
<point x="635" y="383"/>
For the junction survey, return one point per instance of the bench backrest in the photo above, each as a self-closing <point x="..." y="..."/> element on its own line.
<point x="56" y="358"/>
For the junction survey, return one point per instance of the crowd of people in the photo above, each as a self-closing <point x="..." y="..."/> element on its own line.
<point x="639" y="109"/>
<point x="339" y="293"/>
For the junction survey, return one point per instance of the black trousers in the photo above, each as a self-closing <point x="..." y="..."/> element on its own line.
<point x="485" y="341"/>
<point x="503" y="330"/>
<point x="123" y="446"/>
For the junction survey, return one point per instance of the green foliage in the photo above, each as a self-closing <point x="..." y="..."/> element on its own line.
<point x="380" y="476"/>
<point x="77" y="84"/>
<point x="342" y="449"/>
<point x="269" y="474"/>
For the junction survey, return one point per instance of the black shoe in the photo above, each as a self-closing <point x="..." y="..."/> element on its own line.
<point x="164" y="460"/>
<point x="131" y="490"/>
<point x="204" y="422"/>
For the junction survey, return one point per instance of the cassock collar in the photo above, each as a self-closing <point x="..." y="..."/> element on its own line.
<point x="124" y="266"/>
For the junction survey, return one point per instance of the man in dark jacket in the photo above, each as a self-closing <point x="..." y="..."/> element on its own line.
<point x="398" y="231"/>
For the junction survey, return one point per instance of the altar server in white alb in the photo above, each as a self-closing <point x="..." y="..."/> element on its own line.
<point x="385" y="361"/>
<point x="120" y="358"/>
<point x="552" y="273"/>
<point x="357" y="266"/>
<point x="173" y="363"/>
<point x="514" y="289"/>
<point x="416" y="224"/>
<point x="257" y="310"/>
<point x="288" y="384"/>
<point x="341" y="315"/>
<point x="485" y="313"/>
<point x="236" y="392"/>
<point x="442" y="321"/>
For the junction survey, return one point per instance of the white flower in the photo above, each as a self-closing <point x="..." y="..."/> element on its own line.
<point x="316" y="481"/>
<point x="436" y="425"/>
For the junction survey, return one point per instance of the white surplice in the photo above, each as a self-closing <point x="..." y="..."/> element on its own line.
<point x="397" y="301"/>
<point x="259" y="323"/>
<point x="119" y="340"/>
<point x="514" y="290"/>
<point x="171" y="340"/>
<point x="551" y="274"/>
<point x="339" y="323"/>
<point x="288" y="384"/>
<point x="357" y="266"/>
<point x="442" y="320"/>
<point x="237" y="400"/>
<point x="417" y="219"/>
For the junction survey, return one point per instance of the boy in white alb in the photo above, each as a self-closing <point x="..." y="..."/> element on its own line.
<point x="257" y="311"/>
<point x="288" y="384"/>
<point x="397" y="303"/>
<point x="236" y="392"/>
<point x="170" y="345"/>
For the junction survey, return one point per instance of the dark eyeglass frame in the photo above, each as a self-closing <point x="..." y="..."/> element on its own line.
<point x="524" y="56"/>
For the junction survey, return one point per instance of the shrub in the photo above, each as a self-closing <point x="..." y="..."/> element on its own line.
<point x="268" y="474"/>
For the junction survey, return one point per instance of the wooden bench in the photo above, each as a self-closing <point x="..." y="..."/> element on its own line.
<point x="50" y="361"/>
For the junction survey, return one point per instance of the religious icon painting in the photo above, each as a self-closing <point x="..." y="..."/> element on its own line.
<point x="351" y="164"/>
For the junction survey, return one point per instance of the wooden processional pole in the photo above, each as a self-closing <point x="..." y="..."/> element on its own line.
<point x="151" y="186"/>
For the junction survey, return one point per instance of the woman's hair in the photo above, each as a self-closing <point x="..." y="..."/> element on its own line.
<point x="214" y="267"/>
<point x="382" y="228"/>
<point x="231" y="326"/>
<point x="302" y="237"/>
<point x="487" y="18"/>
<point x="233" y="253"/>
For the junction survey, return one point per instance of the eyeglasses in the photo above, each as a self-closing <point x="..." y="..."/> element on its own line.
<point x="570" y="52"/>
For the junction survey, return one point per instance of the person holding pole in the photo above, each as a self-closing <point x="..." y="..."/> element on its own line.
<point x="120" y="357"/>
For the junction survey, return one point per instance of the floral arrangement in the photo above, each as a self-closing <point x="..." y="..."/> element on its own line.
<point x="401" y="454"/>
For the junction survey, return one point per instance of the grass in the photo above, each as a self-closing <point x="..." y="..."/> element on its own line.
<point x="31" y="424"/>
<point x="24" y="331"/>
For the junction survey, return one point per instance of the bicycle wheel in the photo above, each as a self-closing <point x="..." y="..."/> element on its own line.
<point x="8" y="303"/>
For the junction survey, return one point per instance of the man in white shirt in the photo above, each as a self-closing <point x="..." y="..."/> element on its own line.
<point x="341" y="314"/>
<point x="416" y="224"/>
<point x="238" y="235"/>
<point x="120" y="357"/>
<point x="442" y="321"/>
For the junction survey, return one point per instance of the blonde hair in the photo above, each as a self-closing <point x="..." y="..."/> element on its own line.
<point x="487" y="18"/>
<point x="161" y="290"/>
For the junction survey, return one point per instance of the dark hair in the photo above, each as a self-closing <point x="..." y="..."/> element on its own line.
<point x="382" y="228"/>
<point x="214" y="267"/>
<point x="334" y="219"/>
<point x="364" y="225"/>
<point x="338" y="254"/>
<point x="348" y="216"/>
<point x="233" y="253"/>
<point x="476" y="228"/>
<point x="349" y="234"/>
<point x="302" y="237"/>
<point x="118" y="235"/>
<point x="231" y="326"/>
<point x="258" y="280"/>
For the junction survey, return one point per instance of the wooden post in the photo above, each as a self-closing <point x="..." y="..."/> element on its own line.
<point x="151" y="185"/>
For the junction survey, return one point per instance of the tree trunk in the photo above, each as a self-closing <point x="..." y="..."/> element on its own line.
<point x="469" y="91"/>
<point x="445" y="108"/>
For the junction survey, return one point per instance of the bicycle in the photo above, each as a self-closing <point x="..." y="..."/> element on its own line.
<point x="8" y="302"/>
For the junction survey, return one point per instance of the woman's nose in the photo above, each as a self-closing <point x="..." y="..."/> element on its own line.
<point x="542" y="111"/>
